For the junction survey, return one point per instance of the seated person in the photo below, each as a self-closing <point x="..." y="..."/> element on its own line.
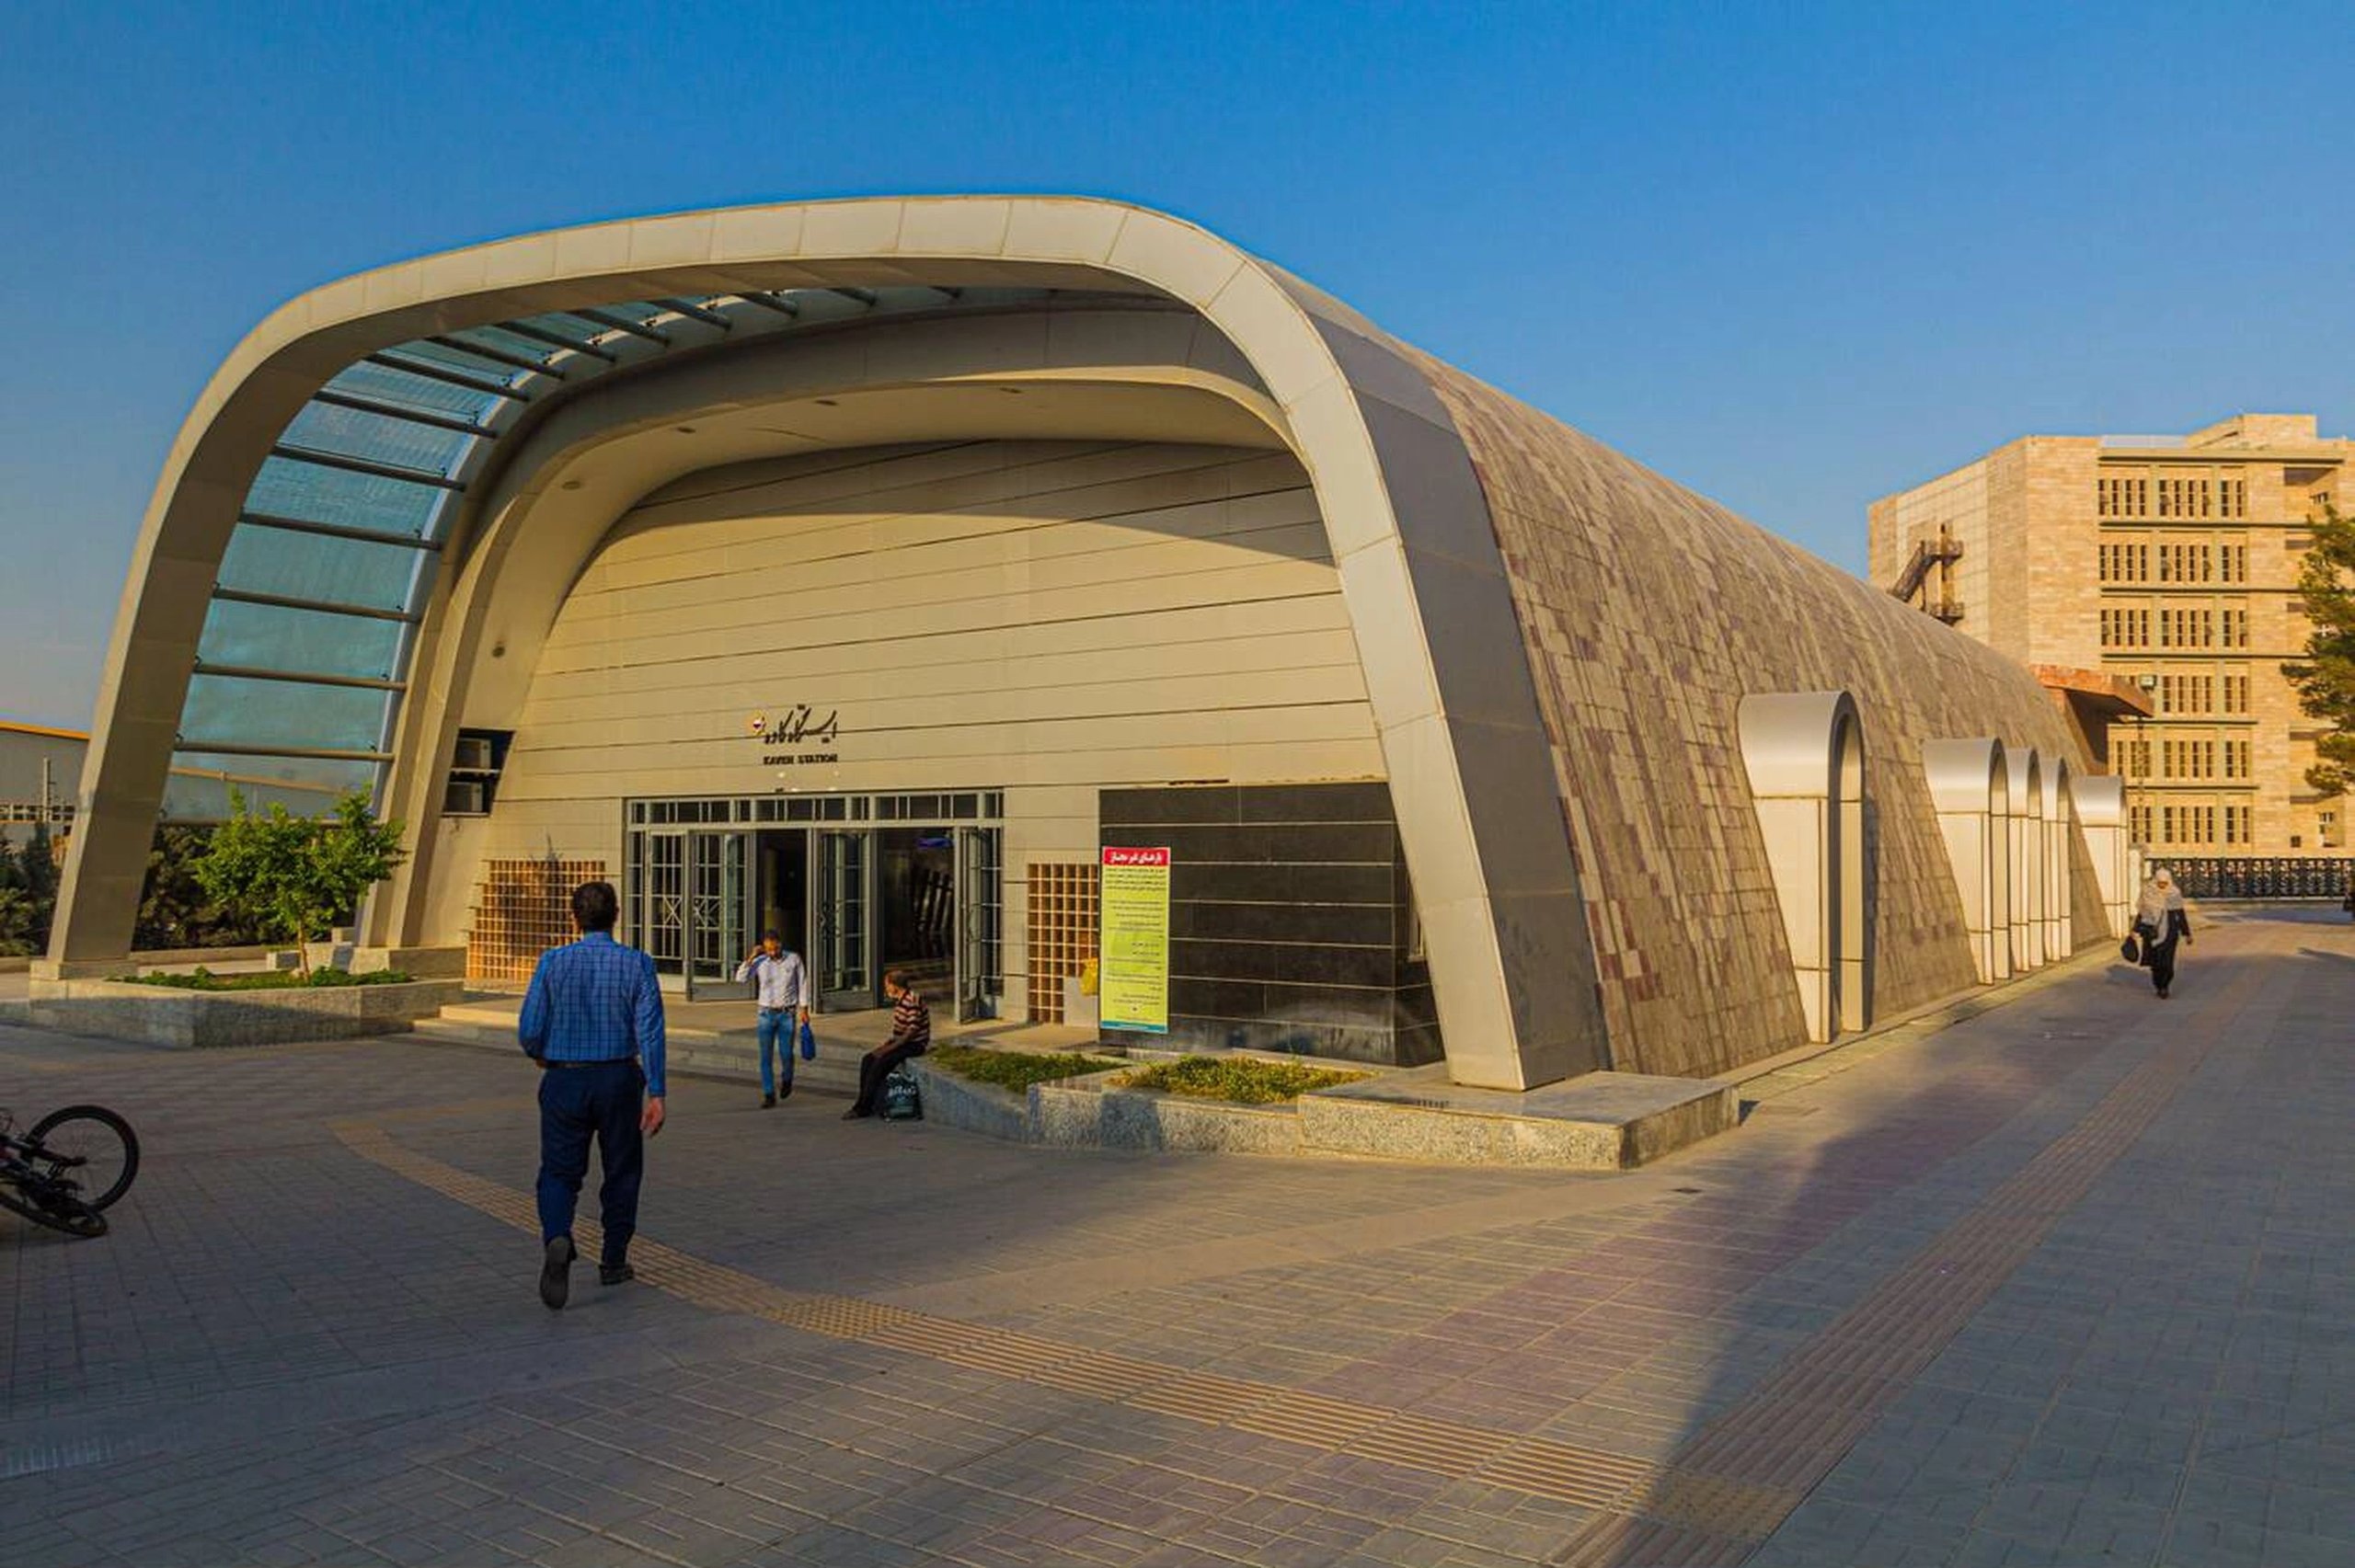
<point x="910" y="1034"/>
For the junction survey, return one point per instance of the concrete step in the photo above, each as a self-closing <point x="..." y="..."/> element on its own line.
<point x="698" y="1052"/>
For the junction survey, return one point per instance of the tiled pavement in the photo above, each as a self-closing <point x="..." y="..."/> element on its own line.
<point x="2069" y="1282"/>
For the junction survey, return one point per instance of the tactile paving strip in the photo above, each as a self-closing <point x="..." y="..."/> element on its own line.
<point x="1735" y="1480"/>
<point x="1729" y="1488"/>
<point x="1565" y="1472"/>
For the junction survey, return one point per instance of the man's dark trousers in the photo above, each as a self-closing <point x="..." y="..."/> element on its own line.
<point x="874" y="1068"/>
<point x="603" y="1100"/>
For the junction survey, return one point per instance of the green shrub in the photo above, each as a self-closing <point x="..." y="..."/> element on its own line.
<point x="1244" y="1081"/>
<point x="202" y="978"/>
<point x="1015" y="1071"/>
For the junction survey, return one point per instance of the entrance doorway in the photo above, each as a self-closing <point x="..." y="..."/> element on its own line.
<point x="853" y="897"/>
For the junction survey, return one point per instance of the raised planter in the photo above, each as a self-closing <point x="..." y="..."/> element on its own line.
<point x="1070" y="1116"/>
<point x="163" y="1016"/>
<point x="976" y="1107"/>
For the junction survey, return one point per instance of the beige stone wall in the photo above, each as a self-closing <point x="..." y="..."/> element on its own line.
<point x="1044" y="617"/>
<point x="2044" y="534"/>
<point x="1649" y="614"/>
<point x="1958" y="502"/>
<point x="2055" y="616"/>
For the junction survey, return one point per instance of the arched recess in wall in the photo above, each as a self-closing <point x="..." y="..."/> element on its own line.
<point x="1967" y="790"/>
<point x="2025" y="788"/>
<point x="1804" y="754"/>
<point x="2059" y="937"/>
<point x="2100" y="803"/>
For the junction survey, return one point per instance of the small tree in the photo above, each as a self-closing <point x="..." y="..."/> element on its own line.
<point x="175" y="911"/>
<point x="28" y="893"/>
<point x="294" y="875"/>
<point x="2325" y="680"/>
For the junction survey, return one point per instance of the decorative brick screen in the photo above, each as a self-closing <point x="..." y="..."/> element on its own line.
<point x="1061" y="926"/>
<point x="522" y="907"/>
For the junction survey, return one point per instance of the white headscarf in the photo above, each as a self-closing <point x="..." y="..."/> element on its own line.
<point x="2160" y="899"/>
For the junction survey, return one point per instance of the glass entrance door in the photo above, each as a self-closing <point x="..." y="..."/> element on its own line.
<point x="846" y="906"/>
<point x="718" y="896"/>
<point x="979" y="916"/>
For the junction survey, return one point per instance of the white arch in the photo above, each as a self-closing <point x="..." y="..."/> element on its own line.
<point x="2025" y="788"/>
<point x="2101" y="816"/>
<point x="1447" y="678"/>
<point x="2060" y="936"/>
<point x="1804" y="754"/>
<point x="1967" y="790"/>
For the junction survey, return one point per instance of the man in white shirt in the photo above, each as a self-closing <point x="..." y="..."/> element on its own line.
<point x="783" y="990"/>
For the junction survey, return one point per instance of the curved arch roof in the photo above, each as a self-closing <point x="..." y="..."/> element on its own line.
<point x="338" y="539"/>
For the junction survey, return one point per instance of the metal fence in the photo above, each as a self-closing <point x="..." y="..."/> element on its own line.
<point x="2260" y="877"/>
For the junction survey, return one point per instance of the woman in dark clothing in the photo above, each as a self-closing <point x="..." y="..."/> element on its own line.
<point x="2160" y="920"/>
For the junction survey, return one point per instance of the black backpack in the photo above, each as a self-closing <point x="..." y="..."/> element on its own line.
<point x="903" y="1101"/>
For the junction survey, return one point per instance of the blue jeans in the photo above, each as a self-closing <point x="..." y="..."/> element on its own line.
<point x="779" y="1026"/>
<point x="602" y="1100"/>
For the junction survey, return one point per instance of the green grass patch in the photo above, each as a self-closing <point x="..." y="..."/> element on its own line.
<point x="1015" y="1071"/>
<point x="1243" y="1081"/>
<point x="202" y="978"/>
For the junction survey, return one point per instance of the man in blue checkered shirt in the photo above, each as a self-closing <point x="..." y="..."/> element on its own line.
<point x="594" y="1022"/>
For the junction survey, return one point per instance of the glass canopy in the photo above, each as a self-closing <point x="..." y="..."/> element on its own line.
<point x="304" y="656"/>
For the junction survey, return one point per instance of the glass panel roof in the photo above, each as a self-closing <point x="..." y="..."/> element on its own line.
<point x="297" y="719"/>
<point x="389" y="385"/>
<point x="263" y="637"/>
<point x="323" y="427"/>
<point x="317" y="773"/>
<point x="272" y="713"/>
<point x="335" y="496"/>
<point x="306" y="565"/>
<point x="473" y="364"/>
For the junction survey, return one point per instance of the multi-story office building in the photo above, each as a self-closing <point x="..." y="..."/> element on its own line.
<point x="2168" y="564"/>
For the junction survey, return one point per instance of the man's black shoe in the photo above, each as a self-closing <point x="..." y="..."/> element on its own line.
<point x="556" y="1272"/>
<point x="616" y="1274"/>
<point x="767" y="1100"/>
<point x="784" y="1090"/>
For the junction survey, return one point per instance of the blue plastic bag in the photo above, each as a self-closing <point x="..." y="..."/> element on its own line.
<point x="809" y="1042"/>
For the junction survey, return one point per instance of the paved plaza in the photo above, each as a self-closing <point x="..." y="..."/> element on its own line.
<point x="2064" y="1282"/>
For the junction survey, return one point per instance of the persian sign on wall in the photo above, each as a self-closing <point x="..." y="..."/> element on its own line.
<point x="1133" y="939"/>
<point x="797" y="727"/>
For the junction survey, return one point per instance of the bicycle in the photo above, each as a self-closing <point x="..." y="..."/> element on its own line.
<point x="68" y="1168"/>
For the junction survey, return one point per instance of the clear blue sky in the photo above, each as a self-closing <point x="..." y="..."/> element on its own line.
<point x="1793" y="256"/>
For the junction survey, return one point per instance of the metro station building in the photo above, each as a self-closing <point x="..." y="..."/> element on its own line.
<point x="864" y="569"/>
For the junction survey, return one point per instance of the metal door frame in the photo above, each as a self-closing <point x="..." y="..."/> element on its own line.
<point x="721" y="984"/>
<point x="826" y="913"/>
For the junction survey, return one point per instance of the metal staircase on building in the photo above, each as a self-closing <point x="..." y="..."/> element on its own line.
<point x="1943" y="551"/>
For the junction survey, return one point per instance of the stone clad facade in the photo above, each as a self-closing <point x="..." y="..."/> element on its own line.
<point x="1649" y="612"/>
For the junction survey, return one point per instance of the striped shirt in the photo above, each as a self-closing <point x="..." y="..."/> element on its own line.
<point x="911" y="1023"/>
<point x="595" y="1000"/>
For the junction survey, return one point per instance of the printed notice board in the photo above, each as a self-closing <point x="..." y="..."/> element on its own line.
<point x="1133" y="940"/>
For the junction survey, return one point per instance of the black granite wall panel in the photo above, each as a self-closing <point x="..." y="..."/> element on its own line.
<point x="1290" y="924"/>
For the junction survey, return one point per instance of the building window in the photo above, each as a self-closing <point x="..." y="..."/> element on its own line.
<point x="2232" y="498"/>
<point x="2139" y="818"/>
<point x="2326" y="826"/>
<point x="2236" y="758"/>
<point x="2232" y="563"/>
<point x="2122" y="495"/>
<point x="2236" y="625"/>
<point x="2188" y="694"/>
<point x="2236" y="694"/>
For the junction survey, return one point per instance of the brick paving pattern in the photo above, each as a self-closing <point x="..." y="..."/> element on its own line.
<point x="2066" y="1282"/>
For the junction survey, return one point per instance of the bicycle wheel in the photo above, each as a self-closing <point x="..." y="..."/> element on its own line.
<point x="58" y="1211"/>
<point x="103" y="1141"/>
